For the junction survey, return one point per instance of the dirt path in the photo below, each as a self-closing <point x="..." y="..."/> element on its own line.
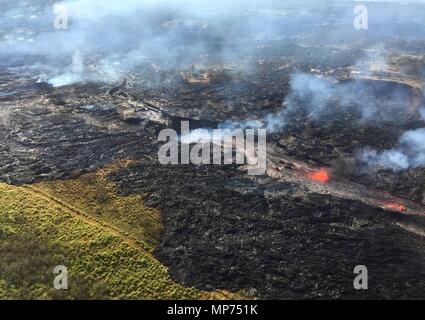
<point x="131" y="241"/>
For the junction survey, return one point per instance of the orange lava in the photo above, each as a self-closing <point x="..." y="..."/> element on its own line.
<point x="395" y="206"/>
<point x="196" y="79"/>
<point x="321" y="175"/>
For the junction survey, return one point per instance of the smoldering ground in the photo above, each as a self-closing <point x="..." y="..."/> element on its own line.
<point x="106" y="39"/>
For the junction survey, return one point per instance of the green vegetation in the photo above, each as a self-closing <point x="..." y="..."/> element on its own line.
<point x="40" y="230"/>
<point x="95" y="195"/>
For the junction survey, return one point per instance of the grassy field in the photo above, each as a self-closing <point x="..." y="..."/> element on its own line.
<point x="104" y="240"/>
<point x="94" y="195"/>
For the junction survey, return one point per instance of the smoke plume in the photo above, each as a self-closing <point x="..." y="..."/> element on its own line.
<point x="112" y="38"/>
<point x="410" y="153"/>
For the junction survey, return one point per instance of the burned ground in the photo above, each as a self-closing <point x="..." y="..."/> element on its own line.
<point x="274" y="240"/>
<point x="266" y="236"/>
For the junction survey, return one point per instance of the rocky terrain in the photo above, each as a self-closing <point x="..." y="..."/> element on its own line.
<point x="274" y="239"/>
<point x="287" y="234"/>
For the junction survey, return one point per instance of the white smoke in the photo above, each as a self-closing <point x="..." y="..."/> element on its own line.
<point x="409" y="153"/>
<point x="115" y="37"/>
<point x="422" y="113"/>
<point x="320" y="99"/>
<point x="74" y="74"/>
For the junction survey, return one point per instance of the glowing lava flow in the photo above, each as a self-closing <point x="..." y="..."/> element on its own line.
<point x="327" y="183"/>
<point x="395" y="207"/>
<point x="321" y="175"/>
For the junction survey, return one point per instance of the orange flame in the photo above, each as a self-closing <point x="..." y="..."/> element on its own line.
<point x="395" y="207"/>
<point x="321" y="175"/>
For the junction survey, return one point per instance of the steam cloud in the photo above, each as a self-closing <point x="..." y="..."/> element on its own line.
<point x="410" y="153"/>
<point x="422" y="113"/>
<point x="318" y="99"/>
<point x="106" y="39"/>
